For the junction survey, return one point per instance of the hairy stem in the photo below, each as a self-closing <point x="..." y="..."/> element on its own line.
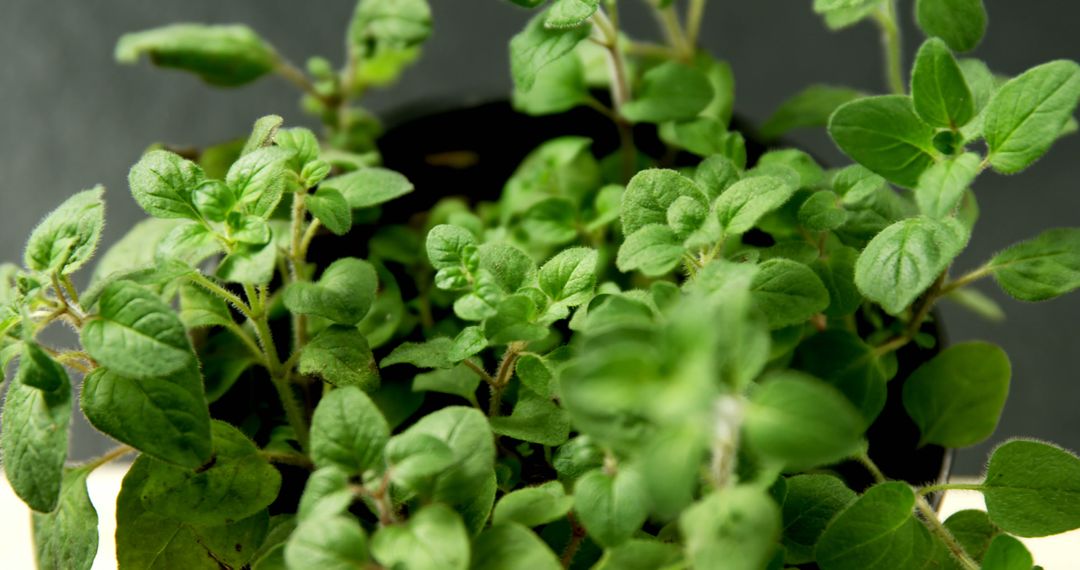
<point x="483" y="374"/>
<point x="864" y="460"/>
<point x="577" y="536"/>
<point x="931" y="489"/>
<point x="620" y="87"/>
<point x="285" y="458"/>
<point x="890" y="38"/>
<point x="966" y="279"/>
<point x="935" y="526"/>
<point x="108" y="456"/>
<point x="201" y="280"/>
<point x="502" y="377"/>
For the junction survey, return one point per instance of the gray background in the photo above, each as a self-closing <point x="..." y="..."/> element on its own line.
<point x="70" y="118"/>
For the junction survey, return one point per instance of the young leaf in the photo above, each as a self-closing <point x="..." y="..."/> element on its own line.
<point x="163" y="184"/>
<point x="649" y="195"/>
<point x="214" y="200"/>
<point x="459" y="381"/>
<point x="164" y="417"/>
<point x="801" y="421"/>
<point x="822" y="211"/>
<point x="538" y="46"/>
<point x="611" y="507"/>
<point x="510" y="546"/>
<point x="332" y="543"/>
<point x="1040" y="268"/>
<point x="38" y="370"/>
<point x="65" y="240"/>
<point x="715" y="175"/>
<point x="330" y="208"/>
<point x="341" y="356"/>
<point x="264" y="132"/>
<point x="671" y="91"/>
<point x="189" y="243"/>
<point x="1007" y="553"/>
<point x="570" y="13"/>
<point x="450" y="247"/>
<point x="653" y="249"/>
<point x="258" y="180"/>
<point x="430" y="354"/>
<point x="369" y="187"/>
<point x="641" y="554"/>
<point x="34" y="440"/>
<point x="733" y="529"/>
<point x="957" y="397"/>
<point x="201" y="308"/>
<point x="744" y="203"/>
<point x="347" y="430"/>
<point x="559" y="86"/>
<point x="810" y="503"/>
<point x="938" y="89"/>
<point x="379" y="25"/>
<point x="251" y="265"/>
<point x="788" y="292"/>
<point x="511" y="268"/>
<point x="514" y="320"/>
<point x="535" y="419"/>
<point x="533" y="506"/>
<point x="226" y="56"/>
<point x="68" y="537"/>
<point x="570" y="277"/>
<point x="344" y="292"/>
<point x="238" y="483"/>
<point x="432" y="539"/>
<point x="961" y="23"/>
<point x="901" y="262"/>
<point x="876" y="532"/>
<point x="1033" y="489"/>
<point x="974" y="531"/>
<point x="811" y="107"/>
<point x="415" y="458"/>
<point x="1026" y="115"/>
<point x="132" y="323"/>
<point x="885" y="135"/>
<point x="942" y="186"/>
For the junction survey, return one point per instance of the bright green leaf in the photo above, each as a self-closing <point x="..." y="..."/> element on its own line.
<point x="348" y="430"/>
<point x="344" y="292"/>
<point x="743" y="204"/>
<point x="942" y="186"/>
<point x="537" y="46"/>
<point x="226" y="56"/>
<point x="369" y="187"/>
<point x="938" y="89"/>
<point x="1040" y="268"/>
<point x="65" y="240"/>
<point x="671" y="91"/>
<point x="1033" y="488"/>
<point x="533" y="506"/>
<point x="961" y="23"/>
<point x="788" y="292"/>
<point x="885" y="135"/>
<point x="330" y="208"/>
<point x="34" y="440"/>
<point x="611" y="507"/>
<point x="653" y="249"/>
<point x="733" y="529"/>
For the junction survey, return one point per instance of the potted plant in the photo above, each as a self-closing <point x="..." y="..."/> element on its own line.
<point x="661" y="345"/>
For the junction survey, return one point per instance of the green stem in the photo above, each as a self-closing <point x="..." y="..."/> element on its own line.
<point x="245" y="338"/>
<point x="966" y="279"/>
<point x="673" y="30"/>
<point x="620" y="89"/>
<point x="695" y="15"/>
<point x="286" y="70"/>
<point x="297" y="258"/>
<point x="483" y="374"/>
<point x="285" y="458"/>
<point x="870" y="466"/>
<point x="502" y="377"/>
<point x="954" y="546"/>
<point x="108" y="456"/>
<point x="890" y="37"/>
<point x="931" y="489"/>
<point x="235" y="301"/>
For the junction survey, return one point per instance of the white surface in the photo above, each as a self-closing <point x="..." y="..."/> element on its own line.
<point x="1060" y="552"/>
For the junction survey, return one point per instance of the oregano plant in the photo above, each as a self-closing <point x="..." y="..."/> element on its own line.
<point x="625" y="360"/>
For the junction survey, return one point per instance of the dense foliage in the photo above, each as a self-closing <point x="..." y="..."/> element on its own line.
<point x="624" y="362"/>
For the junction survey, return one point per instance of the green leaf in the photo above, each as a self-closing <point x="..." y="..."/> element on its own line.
<point x="340" y="356"/>
<point x="961" y="23"/>
<point x="1027" y="114"/>
<point x="225" y="56"/>
<point x="38" y="370"/>
<point x="743" y="204"/>
<point x="686" y="215"/>
<point x="201" y="308"/>
<point x="844" y="360"/>
<point x="942" y="186"/>
<point x="938" y="89"/>
<point x="389" y="24"/>
<point x="885" y="135"/>
<point x="822" y="211"/>
<point x="465" y="431"/>
<point x="1007" y="553"/>
<point x="214" y="200"/>
<point x="537" y="46"/>
<point x="369" y="187"/>
<point x="189" y="243"/>
<point x="459" y="381"/>
<point x="136" y="250"/>
<point x="788" y="292"/>
<point x="432" y="539"/>
<point x="974" y="531"/>
<point x="348" y="430"/>
<point x="649" y="195"/>
<point x="415" y="458"/>
<point x="1040" y="268"/>
<point x="570" y="277"/>
<point x="810" y="503"/>
<point x="132" y="323"/>
<point x="225" y="358"/>
<point x="164" y="417"/>
<point x="68" y="537"/>
<point x="957" y="397"/>
<point x="344" y="292"/>
<point x="511" y="267"/>
<point x="251" y="265"/>
<point x="510" y="546"/>
<point x="533" y="506"/>
<point x="641" y="554"/>
<point x="514" y="320"/>
<point x="332" y="543"/>
<point x="559" y="86"/>
<point x="801" y="421"/>
<point x="163" y="184"/>
<point x="65" y="240"/>
<point x="653" y="249"/>
<point x="551" y="221"/>
<point x="1033" y="489"/>
<point x="671" y="91"/>
<point x="811" y="107"/>
<point x="330" y="208"/>
<point x="611" y="507"/>
<point x="715" y="174"/>
<point x="236" y="484"/>
<point x="34" y="440"/>
<point x="258" y="179"/>
<point x="264" y="132"/>
<point x="469" y="342"/>
<point x="431" y="354"/>
<point x="570" y="13"/>
<point x="535" y="419"/>
<point x="248" y="229"/>
<point x="902" y="261"/>
<point x="877" y="531"/>
<point x="732" y="529"/>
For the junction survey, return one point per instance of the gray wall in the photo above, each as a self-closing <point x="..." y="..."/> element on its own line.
<point x="70" y="118"/>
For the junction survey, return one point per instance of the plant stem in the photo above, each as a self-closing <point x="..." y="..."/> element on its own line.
<point x="673" y="30"/>
<point x="620" y="88"/>
<point x="966" y="279"/>
<point x="890" y="37"/>
<point x="251" y="345"/>
<point x="870" y="466"/>
<point x="111" y="455"/>
<point x="483" y="374"/>
<point x="285" y="69"/>
<point x="922" y="310"/>
<point x="695" y="15"/>
<point x="577" y="536"/>
<point x="284" y="458"/>
<point x="931" y="489"/>
<point x="932" y="521"/>
<point x="235" y="301"/>
<point x="502" y="377"/>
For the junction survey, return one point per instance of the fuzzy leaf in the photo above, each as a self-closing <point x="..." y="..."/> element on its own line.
<point x="810" y="503"/>
<point x="34" y="440"/>
<point x="340" y="356"/>
<point x="876" y="532"/>
<point x="38" y="370"/>
<point x="344" y="292"/>
<point x="1040" y="268"/>
<point x="788" y="292"/>
<point x="330" y="207"/>
<point x="653" y="249"/>
<point x="537" y="46"/>
<point x="535" y="419"/>
<point x="961" y="23"/>
<point x="570" y="277"/>
<point x="742" y="205"/>
<point x="649" y="195"/>
<point x="226" y="56"/>
<point x="942" y="186"/>
<point x="938" y="89"/>
<point x="369" y="187"/>
<point x="347" y="430"/>
<point x="66" y="239"/>
<point x="163" y="184"/>
<point x="1033" y="489"/>
<point x="885" y="135"/>
<point x="258" y="179"/>
<point x="68" y="537"/>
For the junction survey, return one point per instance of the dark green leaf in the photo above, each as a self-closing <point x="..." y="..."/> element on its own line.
<point x="201" y="308"/>
<point x="844" y="360"/>
<point x="67" y="538"/>
<point x="38" y="370"/>
<point x="510" y="546"/>
<point x="671" y="91"/>
<point x="221" y="55"/>
<point x="165" y="417"/>
<point x="535" y="419"/>
<point x="957" y="397"/>
<point x="938" y="89"/>
<point x="1040" y="268"/>
<point x="1033" y="488"/>
<point x="431" y="354"/>
<point x="341" y="356"/>
<point x="961" y="23"/>
<point x="348" y="430"/>
<point x="973" y="530"/>
<point x="811" y="502"/>
<point x="875" y="532"/>
<point x="330" y="208"/>
<point x="837" y="273"/>
<point x="1007" y="553"/>
<point x="885" y="135"/>
<point x="459" y="381"/>
<point x="788" y="292"/>
<point x="65" y="240"/>
<point x="34" y="440"/>
<point x="344" y="292"/>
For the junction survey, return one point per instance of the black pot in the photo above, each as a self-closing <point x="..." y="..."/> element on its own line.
<point x="472" y="150"/>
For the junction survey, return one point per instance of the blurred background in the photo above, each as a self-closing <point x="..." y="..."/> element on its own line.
<point x="70" y="117"/>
